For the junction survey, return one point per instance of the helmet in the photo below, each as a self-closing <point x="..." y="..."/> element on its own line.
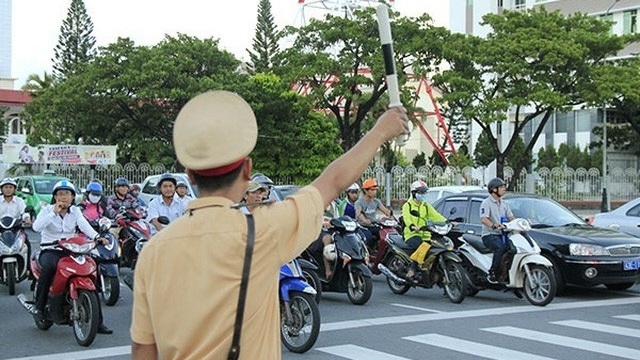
<point x="353" y="186"/>
<point x="135" y="187"/>
<point x="370" y="184"/>
<point x="166" y="177"/>
<point x="8" y="181"/>
<point x="419" y="187"/>
<point x="94" y="188"/>
<point x="494" y="183"/>
<point x="122" y="182"/>
<point x="63" y="185"/>
<point x="329" y="252"/>
<point x="181" y="183"/>
<point x="262" y="179"/>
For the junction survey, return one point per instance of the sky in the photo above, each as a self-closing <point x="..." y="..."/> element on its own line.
<point x="36" y="23"/>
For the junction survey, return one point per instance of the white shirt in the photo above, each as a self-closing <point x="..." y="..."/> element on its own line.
<point x="53" y="227"/>
<point x="157" y="207"/>
<point x="14" y="208"/>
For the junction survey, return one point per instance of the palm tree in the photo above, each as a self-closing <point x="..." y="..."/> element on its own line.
<point x="35" y="83"/>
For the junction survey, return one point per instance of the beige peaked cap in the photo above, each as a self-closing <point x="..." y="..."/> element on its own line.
<point x="214" y="129"/>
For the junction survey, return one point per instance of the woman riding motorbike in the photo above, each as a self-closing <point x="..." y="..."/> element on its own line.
<point x="56" y="221"/>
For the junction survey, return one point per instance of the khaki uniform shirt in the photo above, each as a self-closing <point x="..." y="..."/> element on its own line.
<point x="188" y="277"/>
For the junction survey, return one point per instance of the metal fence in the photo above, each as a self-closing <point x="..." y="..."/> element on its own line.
<point x="562" y="184"/>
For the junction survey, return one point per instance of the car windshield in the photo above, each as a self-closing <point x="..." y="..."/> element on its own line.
<point x="45" y="186"/>
<point x="152" y="185"/>
<point x="543" y="212"/>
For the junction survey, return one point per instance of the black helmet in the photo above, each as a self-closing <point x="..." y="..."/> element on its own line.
<point x="495" y="183"/>
<point x="122" y="182"/>
<point x="166" y="177"/>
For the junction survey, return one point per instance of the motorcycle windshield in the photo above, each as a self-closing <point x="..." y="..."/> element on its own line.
<point x="7" y="222"/>
<point x="350" y="244"/>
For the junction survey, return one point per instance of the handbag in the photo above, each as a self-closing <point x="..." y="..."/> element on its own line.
<point x="234" y="352"/>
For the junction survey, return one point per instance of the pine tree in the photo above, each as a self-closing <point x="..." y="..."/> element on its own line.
<point x="76" y="44"/>
<point x="265" y="43"/>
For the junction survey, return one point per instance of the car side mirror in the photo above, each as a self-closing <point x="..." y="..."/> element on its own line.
<point x="26" y="190"/>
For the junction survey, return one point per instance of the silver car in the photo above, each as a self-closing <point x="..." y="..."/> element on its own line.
<point x="149" y="187"/>
<point x="626" y="218"/>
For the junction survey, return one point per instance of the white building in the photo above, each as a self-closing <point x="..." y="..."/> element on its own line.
<point x="573" y="128"/>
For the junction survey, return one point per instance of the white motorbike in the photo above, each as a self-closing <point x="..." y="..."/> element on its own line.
<point x="523" y="268"/>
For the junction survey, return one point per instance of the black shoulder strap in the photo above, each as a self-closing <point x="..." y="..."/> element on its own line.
<point x="234" y="353"/>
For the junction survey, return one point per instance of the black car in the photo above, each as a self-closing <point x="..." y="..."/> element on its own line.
<point x="581" y="254"/>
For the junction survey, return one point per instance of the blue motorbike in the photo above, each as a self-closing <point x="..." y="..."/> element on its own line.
<point x="107" y="258"/>
<point x="299" y="313"/>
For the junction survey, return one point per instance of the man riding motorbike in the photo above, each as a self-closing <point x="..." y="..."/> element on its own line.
<point x="56" y="221"/>
<point x="366" y="208"/>
<point x="493" y="213"/>
<point x="414" y="235"/>
<point x="347" y="206"/>
<point x="134" y="190"/>
<point x="120" y="198"/>
<point x="165" y="204"/>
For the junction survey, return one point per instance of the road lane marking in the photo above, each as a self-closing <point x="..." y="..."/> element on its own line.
<point x="560" y="340"/>
<point x="629" y="317"/>
<point x="391" y="320"/>
<point x="82" y="355"/>
<point x="610" y="329"/>
<point x="474" y="348"/>
<point x="416" y="308"/>
<point x="354" y="352"/>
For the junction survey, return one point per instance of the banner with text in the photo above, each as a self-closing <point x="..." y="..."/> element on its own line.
<point x="59" y="154"/>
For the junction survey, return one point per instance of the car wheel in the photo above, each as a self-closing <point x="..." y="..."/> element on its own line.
<point x="561" y="283"/>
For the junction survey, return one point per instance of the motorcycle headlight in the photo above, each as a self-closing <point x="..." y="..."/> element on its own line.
<point x="77" y="248"/>
<point x="350" y="225"/>
<point x="587" y="250"/>
<point x="4" y="249"/>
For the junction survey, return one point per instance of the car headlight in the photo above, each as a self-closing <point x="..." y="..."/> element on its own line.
<point x="587" y="250"/>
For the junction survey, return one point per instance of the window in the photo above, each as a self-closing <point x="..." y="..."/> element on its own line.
<point x="474" y="212"/>
<point x="561" y="122"/>
<point x="634" y="211"/>
<point x="520" y="4"/>
<point x="460" y="210"/>
<point x="583" y="120"/>
<point x="630" y="22"/>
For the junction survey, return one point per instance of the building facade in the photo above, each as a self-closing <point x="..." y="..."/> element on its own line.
<point x="575" y="127"/>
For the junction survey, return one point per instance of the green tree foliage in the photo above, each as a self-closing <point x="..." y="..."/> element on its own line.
<point x="530" y="64"/>
<point x="548" y="158"/>
<point x="76" y="43"/>
<point x="338" y="62"/>
<point x="35" y="83"/>
<point x="265" y="42"/>
<point x="518" y="157"/>
<point x="130" y="95"/>
<point x="419" y="160"/>
<point x="461" y="158"/>
<point x="483" y="153"/>
<point x="293" y="141"/>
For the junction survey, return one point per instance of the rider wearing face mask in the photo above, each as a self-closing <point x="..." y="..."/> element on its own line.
<point x="413" y="236"/>
<point x="93" y="204"/>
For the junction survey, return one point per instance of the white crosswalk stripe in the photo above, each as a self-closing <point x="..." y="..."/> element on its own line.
<point x="566" y="341"/>
<point x="487" y="351"/>
<point x="473" y="348"/>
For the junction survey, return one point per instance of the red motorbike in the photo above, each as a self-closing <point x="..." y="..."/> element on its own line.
<point x="388" y="225"/>
<point x="134" y="233"/>
<point x="72" y="297"/>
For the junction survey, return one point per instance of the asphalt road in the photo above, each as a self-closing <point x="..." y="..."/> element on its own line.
<point x="585" y="323"/>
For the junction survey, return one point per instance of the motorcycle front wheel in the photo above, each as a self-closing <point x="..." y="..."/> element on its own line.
<point x="359" y="291"/>
<point x="456" y="288"/>
<point x="540" y="288"/>
<point x="312" y="278"/>
<point x="300" y="332"/>
<point x="10" y="271"/>
<point x="110" y="289"/>
<point x="85" y="321"/>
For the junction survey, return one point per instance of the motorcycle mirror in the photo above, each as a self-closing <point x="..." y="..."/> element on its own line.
<point x="163" y="220"/>
<point x="453" y="210"/>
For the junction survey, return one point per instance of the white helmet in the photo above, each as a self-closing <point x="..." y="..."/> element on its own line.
<point x="8" y="181"/>
<point x="329" y="252"/>
<point x="419" y="187"/>
<point x="353" y="186"/>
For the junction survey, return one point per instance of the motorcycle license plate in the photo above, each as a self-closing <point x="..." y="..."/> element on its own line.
<point x="631" y="265"/>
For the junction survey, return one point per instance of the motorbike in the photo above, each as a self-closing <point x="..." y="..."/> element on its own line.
<point x="299" y="313"/>
<point x="349" y="260"/>
<point x="442" y="265"/>
<point x="107" y="257"/>
<point x="388" y="225"/>
<point x="134" y="234"/>
<point x="14" y="252"/>
<point x="72" y="298"/>
<point x="524" y="268"/>
<point x="310" y="274"/>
